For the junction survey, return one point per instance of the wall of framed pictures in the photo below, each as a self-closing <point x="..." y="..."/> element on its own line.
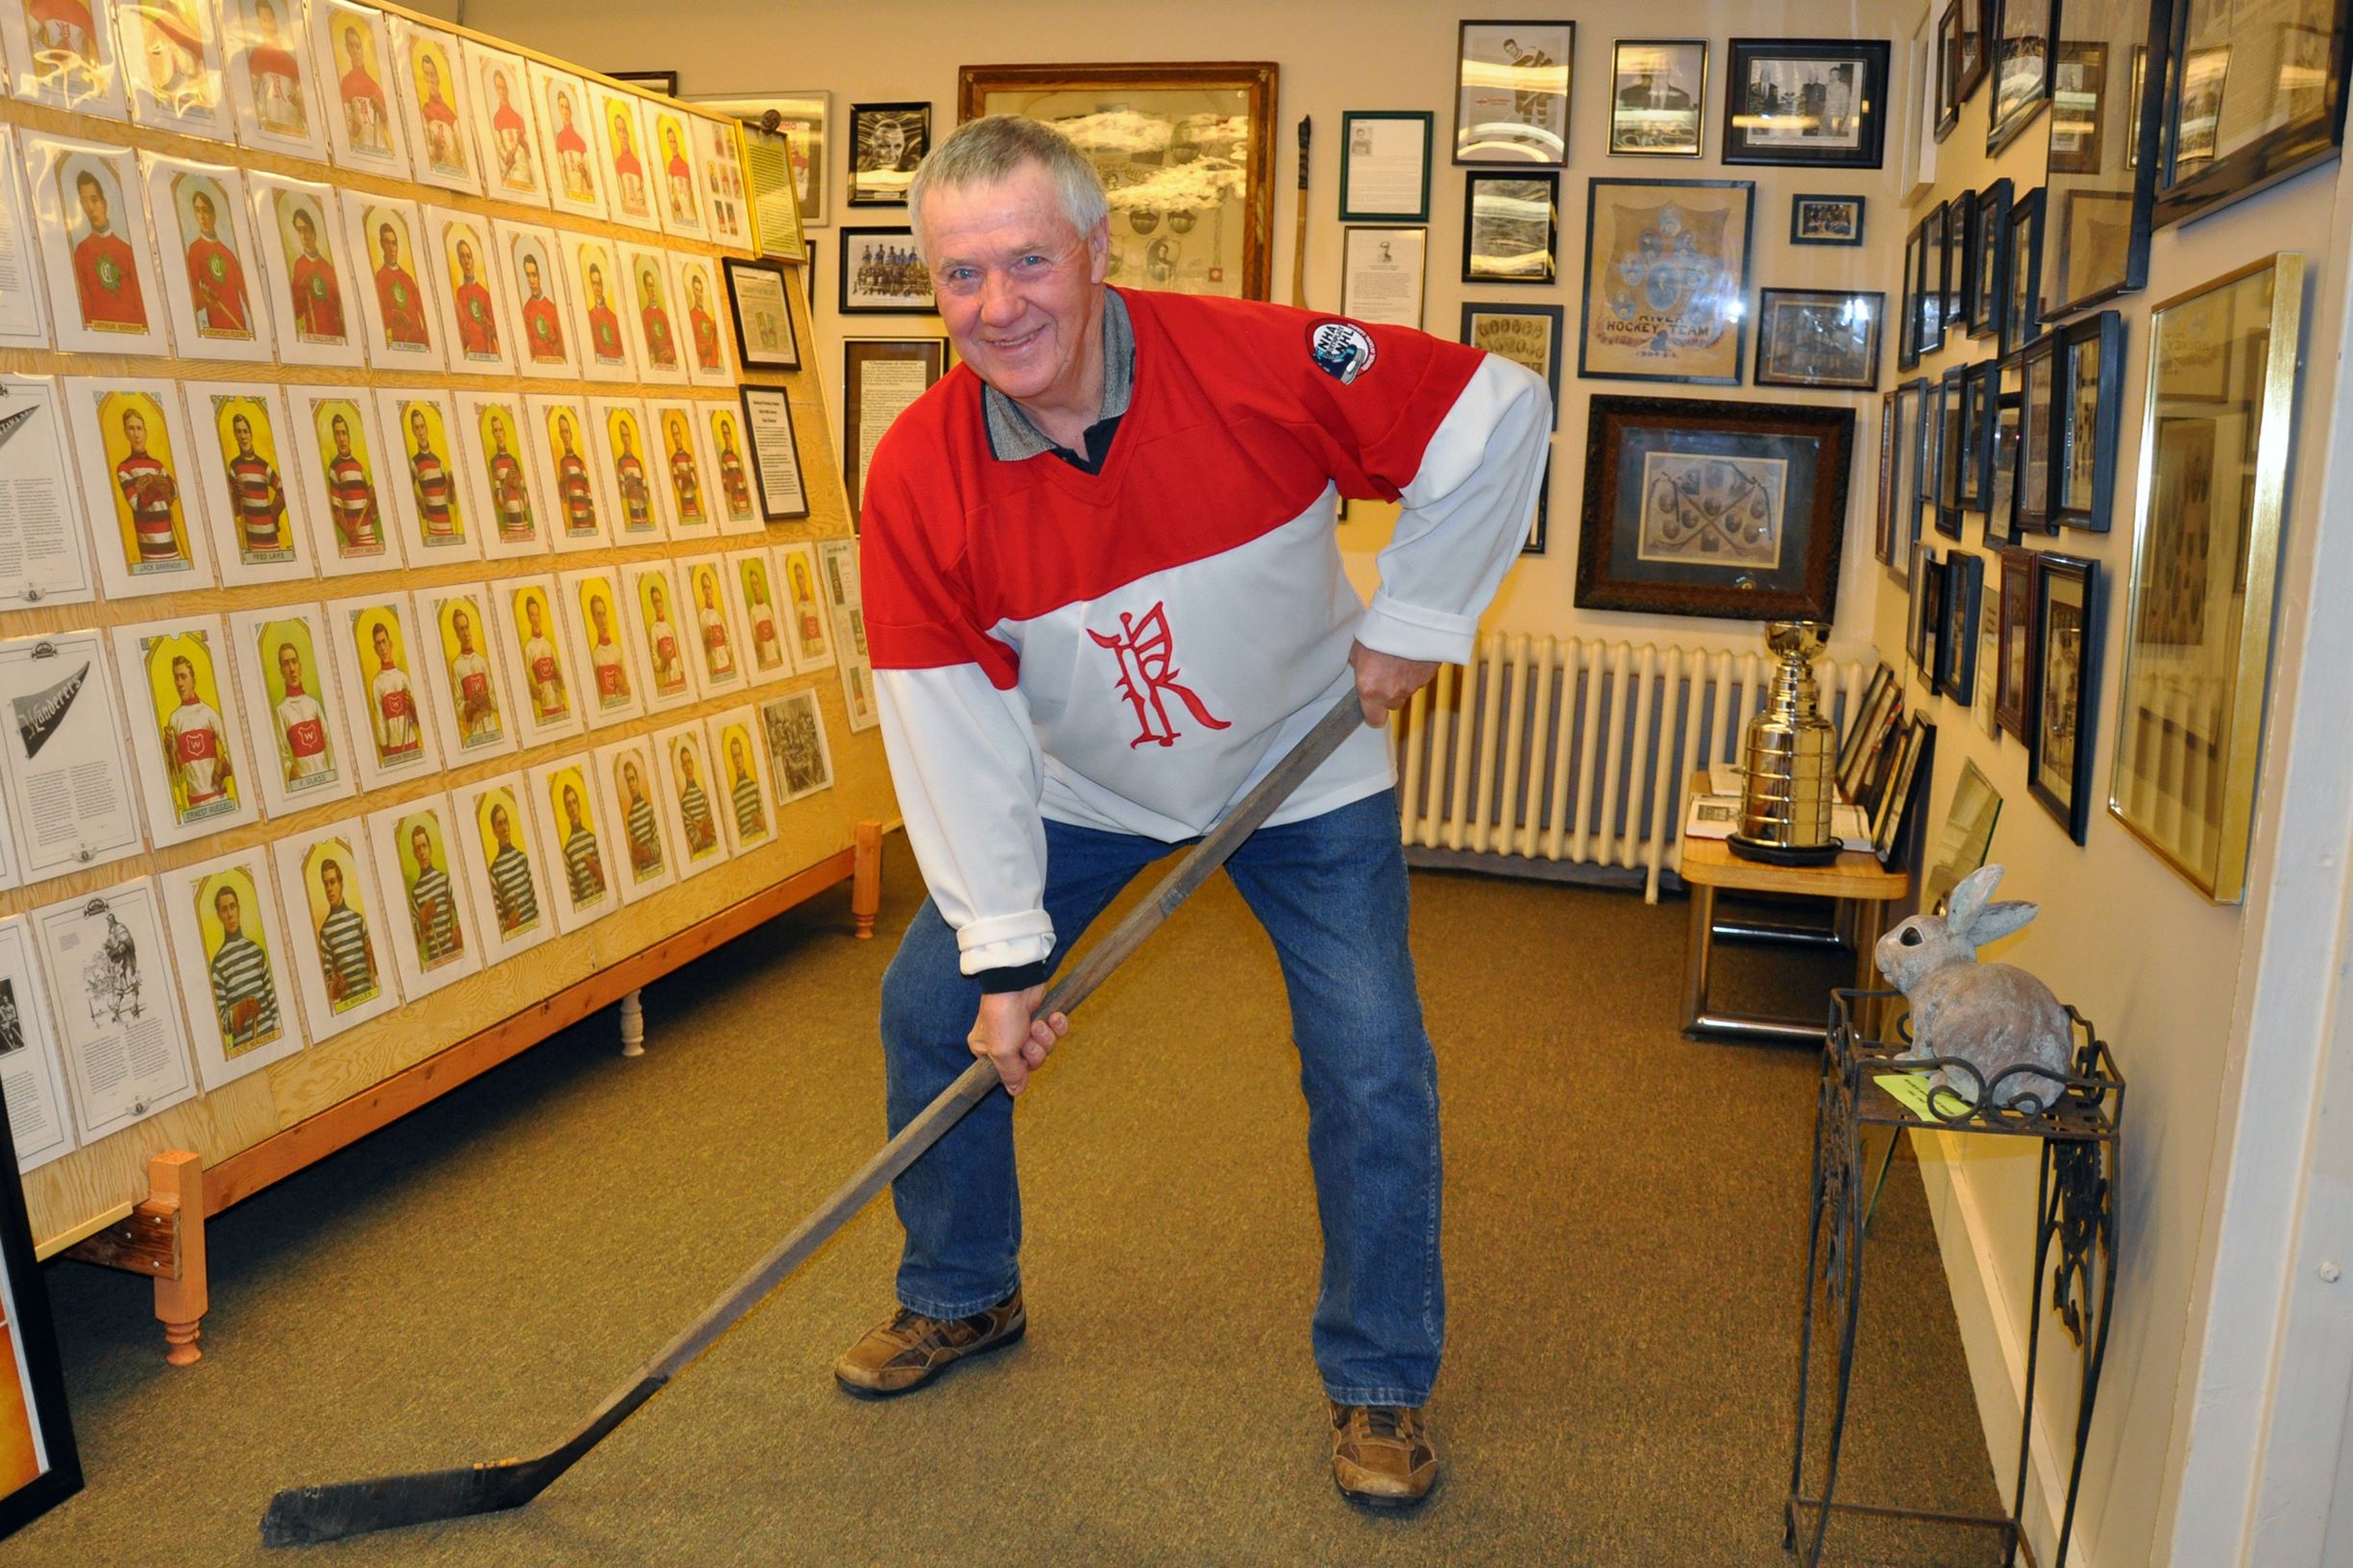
<point x="1465" y="209"/>
<point x="421" y="550"/>
<point x="2094" y="404"/>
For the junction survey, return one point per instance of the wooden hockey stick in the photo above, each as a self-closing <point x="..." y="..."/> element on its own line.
<point x="1299" y="238"/>
<point x="303" y="1514"/>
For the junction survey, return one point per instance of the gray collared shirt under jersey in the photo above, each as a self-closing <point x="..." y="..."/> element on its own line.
<point x="1012" y="437"/>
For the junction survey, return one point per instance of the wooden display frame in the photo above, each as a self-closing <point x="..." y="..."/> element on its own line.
<point x="136" y="1199"/>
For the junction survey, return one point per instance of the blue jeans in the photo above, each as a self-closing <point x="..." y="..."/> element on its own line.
<point x="1331" y="893"/>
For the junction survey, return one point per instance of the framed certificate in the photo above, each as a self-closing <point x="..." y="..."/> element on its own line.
<point x="1385" y="165"/>
<point x="760" y="303"/>
<point x="776" y="453"/>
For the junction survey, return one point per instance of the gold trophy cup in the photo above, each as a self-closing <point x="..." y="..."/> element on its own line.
<point x="1791" y="759"/>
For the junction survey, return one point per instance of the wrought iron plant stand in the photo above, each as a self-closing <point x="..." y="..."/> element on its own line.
<point x="2076" y="1216"/>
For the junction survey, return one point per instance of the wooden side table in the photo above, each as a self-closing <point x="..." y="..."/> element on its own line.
<point x="1707" y="865"/>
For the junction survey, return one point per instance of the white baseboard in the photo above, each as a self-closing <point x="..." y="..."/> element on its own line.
<point x="1996" y="1347"/>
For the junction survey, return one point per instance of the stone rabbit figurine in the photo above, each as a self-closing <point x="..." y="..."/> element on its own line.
<point x="1990" y="1016"/>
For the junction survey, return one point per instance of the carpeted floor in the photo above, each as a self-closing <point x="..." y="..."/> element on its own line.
<point x="1625" y="1218"/>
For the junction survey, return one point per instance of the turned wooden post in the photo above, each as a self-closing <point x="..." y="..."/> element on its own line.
<point x="633" y="1024"/>
<point x="866" y="880"/>
<point x="177" y="1179"/>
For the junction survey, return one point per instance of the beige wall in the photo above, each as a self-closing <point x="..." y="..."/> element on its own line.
<point x="2172" y="980"/>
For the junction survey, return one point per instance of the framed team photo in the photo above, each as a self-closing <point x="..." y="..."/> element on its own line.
<point x="308" y="284"/>
<point x="273" y="88"/>
<point x="244" y="462"/>
<point x="799" y="757"/>
<point x="340" y="959"/>
<point x="302" y="749"/>
<point x="881" y="275"/>
<point x="211" y="279"/>
<point x="760" y="303"/>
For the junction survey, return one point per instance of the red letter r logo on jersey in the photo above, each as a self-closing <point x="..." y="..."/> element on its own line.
<point x="1147" y="667"/>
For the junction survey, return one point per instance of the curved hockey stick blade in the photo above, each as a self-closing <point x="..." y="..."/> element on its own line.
<point x="301" y="1515"/>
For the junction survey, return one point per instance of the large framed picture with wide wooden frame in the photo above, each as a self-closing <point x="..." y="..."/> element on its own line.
<point x="1713" y="509"/>
<point x="2213" y="485"/>
<point x="1185" y="150"/>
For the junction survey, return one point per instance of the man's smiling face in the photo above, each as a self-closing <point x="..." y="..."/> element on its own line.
<point x="1018" y="287"/>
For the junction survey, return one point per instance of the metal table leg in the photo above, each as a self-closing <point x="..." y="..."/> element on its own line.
<point x="1700" y="958"/>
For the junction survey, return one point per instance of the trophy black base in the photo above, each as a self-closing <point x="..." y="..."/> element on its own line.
<point x="1783" y="854"/>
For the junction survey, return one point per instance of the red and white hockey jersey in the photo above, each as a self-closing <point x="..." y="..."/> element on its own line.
<point x="1131" y="650"/>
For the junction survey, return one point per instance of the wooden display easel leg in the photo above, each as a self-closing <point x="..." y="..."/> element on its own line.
<point x="164" y="1239"/>
<point x="866" y="880"/>
<point x="633" y="1024"/>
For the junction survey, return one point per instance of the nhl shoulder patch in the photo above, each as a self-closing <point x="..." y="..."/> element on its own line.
<point x="1341" y="350"/>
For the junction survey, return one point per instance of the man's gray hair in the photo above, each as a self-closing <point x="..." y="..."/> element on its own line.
<point x="996" y="147"/>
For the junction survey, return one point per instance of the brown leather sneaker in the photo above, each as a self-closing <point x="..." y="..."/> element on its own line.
<point x="1382" y="1455"/>
<point x="910" y="1350"/>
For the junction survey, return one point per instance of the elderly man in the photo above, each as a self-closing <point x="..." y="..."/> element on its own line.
<point x="1103" y="598"/>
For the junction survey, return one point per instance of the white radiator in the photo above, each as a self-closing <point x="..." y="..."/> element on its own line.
<point x="1578" y="752"/>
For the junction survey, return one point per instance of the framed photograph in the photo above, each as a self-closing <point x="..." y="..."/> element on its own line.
<point x="881" y="377"/>
<point x="760" y="304"/>
<point x="2101" y="194"/>
<point x="1666" y="283"/>
<point x="1870" y="722"/>
<point x="1511" y="93"/>
<point x="1901" y="801"/>
<point x="1526" y="334"/>
<point x="1929" y="285"/>
<point x="665" y="82"/>
<point x="1948" y="69"/>
<point x="2022" y="264"/>
<point x="1380" y="275"/>
<point x="2038" y="416"/>
<point x="2079" y="85"/>
<point x="1885" y="512"/>
<point x="2229" y="133"/>
<point x="2000" y="508"/>
<point x="2205" y="571"/>
<point x="1928" y="612"/>
<point x="2063" y="687"/>
<point x="1980" y="408"/>
<point x="1202" y="225"/>
<point x="1713" y="509"/>
<point x="2022" y="63"/>
<point x="1907" y="327"/>
<point x="1956" y="664"/>
<point x="1960" y="261"/>
<point x="1385" y="165"/>
<point x="2015" y="645"/>
<point x="886" y="143"/>
<point x="2085" y="423"/>
<point x="1819" y="337"/>
<point x="1951" y="455"/>
<point x="1510" y="228"/>
<point x="1989" y="235"/>
<point x="881" y="275"/>
<point x="1826" y="220"/>
<point x="1810" y="102"/>
<point x="1658" y="98"/>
